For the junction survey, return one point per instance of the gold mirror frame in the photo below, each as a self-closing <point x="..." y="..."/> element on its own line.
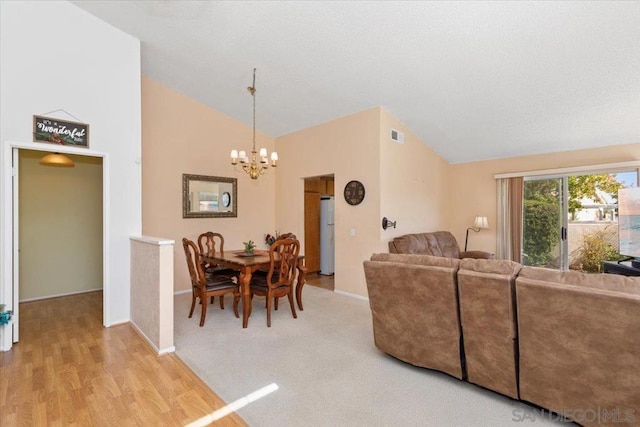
<point x="209" y="199"/>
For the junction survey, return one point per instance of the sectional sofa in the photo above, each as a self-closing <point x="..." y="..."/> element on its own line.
<point x="568" y="342"/>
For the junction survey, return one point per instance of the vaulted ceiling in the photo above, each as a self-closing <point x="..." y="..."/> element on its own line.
<point x="474" y="80"/>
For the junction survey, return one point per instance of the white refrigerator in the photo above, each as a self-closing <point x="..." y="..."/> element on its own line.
<point x="327" y="225"/>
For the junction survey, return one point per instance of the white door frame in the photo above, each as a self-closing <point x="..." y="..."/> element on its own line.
<point x="15" y="264"/>
<point x="9" y="283"/>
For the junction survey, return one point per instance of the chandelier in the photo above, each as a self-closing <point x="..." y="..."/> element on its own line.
<point x="255" y="167"/>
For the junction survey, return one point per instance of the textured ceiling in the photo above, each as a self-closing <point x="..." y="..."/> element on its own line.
<point x="474" y="80"/>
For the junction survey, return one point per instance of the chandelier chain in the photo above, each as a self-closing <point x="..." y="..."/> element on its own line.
<point x="253" y="166"/>
<point x="253" y="95"/>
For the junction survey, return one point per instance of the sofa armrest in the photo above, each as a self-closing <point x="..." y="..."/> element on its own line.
<point x="414" y="310"/>
<point x="476" y="255"/>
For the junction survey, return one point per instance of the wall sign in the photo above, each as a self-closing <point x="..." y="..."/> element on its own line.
<point x="56" y="131"/>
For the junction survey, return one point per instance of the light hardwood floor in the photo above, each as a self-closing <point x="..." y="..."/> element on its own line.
<point x="69" y="370"/>
<point x="320" y="281"/>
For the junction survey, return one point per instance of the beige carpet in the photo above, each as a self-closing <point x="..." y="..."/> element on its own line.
<point x="328" y="371"/>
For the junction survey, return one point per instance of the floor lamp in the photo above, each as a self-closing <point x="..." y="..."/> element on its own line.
<point x="479" y="223"/>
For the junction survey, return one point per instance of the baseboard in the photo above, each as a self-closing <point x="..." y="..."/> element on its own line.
<point x="117" y="323"/>
<point x="186" y="291"/>
<point x="348" y="294"/>
<point x="66" y="294"/>
<point x="158" y="351"/>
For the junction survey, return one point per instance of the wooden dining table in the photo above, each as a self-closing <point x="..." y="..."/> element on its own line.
<point x="246" y="265"/>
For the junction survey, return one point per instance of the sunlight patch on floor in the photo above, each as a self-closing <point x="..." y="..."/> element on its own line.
<point x="234" y="406"/>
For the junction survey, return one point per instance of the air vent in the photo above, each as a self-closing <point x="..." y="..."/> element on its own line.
<point x="397" y="136"/>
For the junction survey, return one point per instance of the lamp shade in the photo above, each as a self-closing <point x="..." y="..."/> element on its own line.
<point x="58" y="160"/>
<point x="481" y="222"/>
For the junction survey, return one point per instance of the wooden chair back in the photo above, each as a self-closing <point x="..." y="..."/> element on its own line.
<point x="196" y="270"/>
<point x="287" y="236"/>
<point x="209" y="243"/>
<point x="283" y="255"/>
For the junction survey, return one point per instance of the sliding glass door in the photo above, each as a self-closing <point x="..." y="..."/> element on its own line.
<point x="544" y="222"/>
<point x="571" y="221"/>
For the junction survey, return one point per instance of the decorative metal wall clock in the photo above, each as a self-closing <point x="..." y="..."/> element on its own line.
<point x="354" y="192"/>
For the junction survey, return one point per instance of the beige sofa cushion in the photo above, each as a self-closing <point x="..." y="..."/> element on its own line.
<point x="488" y="318"/>
<point x="438" y="243"/>
<point x="414" y="309"/>
<point x="579" y="340"/>
<point x="611" y="282"/>
<point x="418" y="259"/>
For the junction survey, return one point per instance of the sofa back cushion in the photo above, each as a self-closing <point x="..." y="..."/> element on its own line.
<point x="438" y="243"/>
<point x="414" y="310"/>
<point x="611" y="282"/>
<point x="579" y="343"/>
<point x="488" y="318"/>
<point x="417" y="259"/>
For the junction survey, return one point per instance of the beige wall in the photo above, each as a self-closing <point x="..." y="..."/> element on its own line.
<point x="180" y="135"/>
<point x="60" y="226"/>
<point x="473" y="187"/>
<point x="348" y="148"/>
<point x="414" y="183"/>
<point x="406" y="182"/>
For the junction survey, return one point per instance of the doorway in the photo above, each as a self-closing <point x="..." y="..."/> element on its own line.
<point x="60" y="225"/>
<point x="318" y="230"/>
<point x="10" y="287"/>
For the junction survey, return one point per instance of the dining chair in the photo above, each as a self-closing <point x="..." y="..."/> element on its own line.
<point x="207" y="243"/>
<point x="202" y="286"/>
<point x="279" y="280"/>
<point x="282" y="236"/>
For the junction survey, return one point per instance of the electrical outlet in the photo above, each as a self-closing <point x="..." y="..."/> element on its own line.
<point x="352" y="232"/>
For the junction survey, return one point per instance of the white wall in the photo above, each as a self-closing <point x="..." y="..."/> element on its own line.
<point x="54" y="55"/>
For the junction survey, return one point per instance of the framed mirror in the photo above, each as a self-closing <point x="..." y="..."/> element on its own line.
<point x="209" y="196"/>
